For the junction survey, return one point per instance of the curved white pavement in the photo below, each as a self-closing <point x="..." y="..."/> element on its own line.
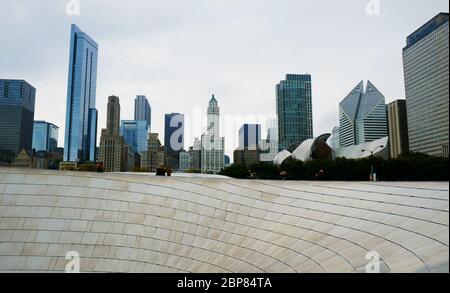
<point x="138" y="223"/>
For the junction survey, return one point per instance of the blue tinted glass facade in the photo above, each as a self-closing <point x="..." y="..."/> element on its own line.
<point x="174" y="132"/>
<point x="249" y="136"/>
<point x="17" y="101"/>
<point x="45" y="136"/>
<point x="143" y="111"/>
<point x="426" y="29"/>
<point x="92" y="134"/>
<point x="294" y="109"/>
<point x="135" y="134"/>
<point x="80" y="134"/>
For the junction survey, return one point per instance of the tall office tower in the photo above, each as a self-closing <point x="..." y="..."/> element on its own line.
<point x="143" y="111"/>
<point x="213" y="146"/>
<point x="111" y="143"/>
<point x="174" y="138"/>
<point x="45" y="137"/>
<point x="135" y="134"/>
<point x="398" y="128"/>
<point x="294" y="110"/>
<point x="426" y="63"/>
<point x="249" y="136"/>
<point x="17" y="101"/>
<point x="81" y="114"/>
<point x="362" y="116"/>
<point x="174" y="132"/>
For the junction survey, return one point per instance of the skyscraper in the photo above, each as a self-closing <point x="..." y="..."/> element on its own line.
<point x="174" y="132"/>
<point x="249" y="136"/>
<point x="143" y="111"/>
<point x="174" y="138"/>
<point x="81" y="114"/>
<point x="135" y="134"/>
<point x="111" y="143"/>
<point x="398" y="128"/>
<point x="213" y="146"/>
<point x="362" y="116"/>
<point x="45" y="136"/>
<point x="17" y="102"/>
<point x="426" y="63"/>
<point x="294" y="109"/>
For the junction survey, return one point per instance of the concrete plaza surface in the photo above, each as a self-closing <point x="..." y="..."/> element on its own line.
<point x="142" y="223"/>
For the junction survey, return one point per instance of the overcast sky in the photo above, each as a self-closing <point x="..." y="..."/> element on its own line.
<point x="179" y="52"/>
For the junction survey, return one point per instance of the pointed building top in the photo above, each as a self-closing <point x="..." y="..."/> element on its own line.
<point x="213" y="102"/>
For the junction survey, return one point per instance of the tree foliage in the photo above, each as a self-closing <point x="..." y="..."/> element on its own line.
<point x="408" y="167"/>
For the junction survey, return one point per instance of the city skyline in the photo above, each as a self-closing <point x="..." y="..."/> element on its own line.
<point x="255" y="95"/>
<point x="225" y="137"/>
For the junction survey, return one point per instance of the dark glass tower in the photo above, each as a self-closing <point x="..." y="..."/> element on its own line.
<point x="81" y="114"/>
<point x="17" y="101"/>
<point x="174" y="138"/>
<point x="174" y="132"/>
<point x="294" y="109"/>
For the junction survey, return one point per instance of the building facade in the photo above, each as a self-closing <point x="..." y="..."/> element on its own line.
<point x="185" y="161"/>
<point x="143" y="111"/>
<point x="156" y="154"/>
<point x="269" y="147"/>
<point x="335" y="140"/>
<point x="132" y="158"/>
<point x="135" y="134"/>
<point x="196" y="153"/>
<point x="213" y="146"/>
<point x="246" y="157"/>
<point x="398" y="128"/>
<point x="249" y="136"/>
<point x="426" y="63"/>
<point x="45" y="137"/>
<point x="362" y="116"/>
<point x="294" y="110"/>
<point x="17" y="104"/>
<point x="174" y="138"/>
<point x="111" y="143"/>
<point x="81" y="113"/>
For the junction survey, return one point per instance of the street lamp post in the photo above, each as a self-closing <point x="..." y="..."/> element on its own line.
<point x="372" y="168"/>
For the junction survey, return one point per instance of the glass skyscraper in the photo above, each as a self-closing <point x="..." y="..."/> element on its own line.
<point x="81" y="114"/>
<point x="294" y="109"/>
<point x="17" y="102"/>
<point x="143" y="111"/>
<point x="362" y="116"/>
<point x="426" y="63"/>
<point x="45" y="136"/>
<point x="135" y="134"/>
